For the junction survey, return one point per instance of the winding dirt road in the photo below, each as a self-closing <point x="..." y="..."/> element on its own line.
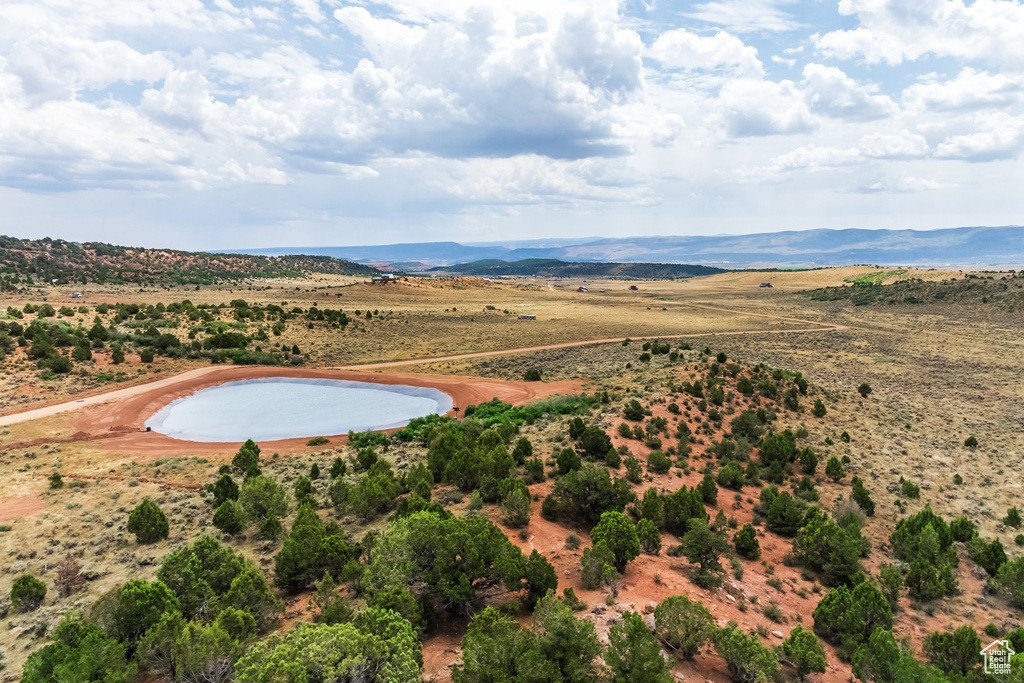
<point x="187" y="382"/>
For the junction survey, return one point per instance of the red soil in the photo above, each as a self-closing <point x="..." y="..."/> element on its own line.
<point x="121" y="419"/>
<point x="21" y="506"/>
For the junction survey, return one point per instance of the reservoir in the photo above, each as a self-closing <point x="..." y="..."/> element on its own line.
<point x="275" y="408"/>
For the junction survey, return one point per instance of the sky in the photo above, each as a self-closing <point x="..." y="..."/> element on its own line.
<point x="216" y="124"/>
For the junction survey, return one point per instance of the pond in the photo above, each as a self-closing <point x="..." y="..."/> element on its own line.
<point x="274" y="408"/>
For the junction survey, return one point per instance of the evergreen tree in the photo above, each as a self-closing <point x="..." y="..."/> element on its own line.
<point x="633" y="654"/>
<point x="148" y="522"/>
<point x="746" y="542"/>
<point x="247" y="458"/>
<point x="703" y="547"/>
<point x="617" y="532"/>
<point x="684" y="625"/>
<point x="228" y="518"/>
<point x="804" y="652"/>
<point x="224" y="489"/>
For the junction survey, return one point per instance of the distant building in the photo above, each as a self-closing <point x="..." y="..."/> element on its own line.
<point x="382" y="279"/>
<point x="582" y="290"/>
<point x="766" y="284"/>
<point x="527" y="316"/>
<point x="633" y="288"/>
<point x="76" y="295"/>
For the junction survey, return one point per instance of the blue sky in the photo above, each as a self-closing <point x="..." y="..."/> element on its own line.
<point x="224" y="123"/>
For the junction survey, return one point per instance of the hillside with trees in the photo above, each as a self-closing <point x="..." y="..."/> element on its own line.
<point x="27" y="262"/>
<point x="556" y="268"/>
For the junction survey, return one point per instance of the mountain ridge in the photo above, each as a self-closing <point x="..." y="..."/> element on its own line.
<point x="963" y="246"/>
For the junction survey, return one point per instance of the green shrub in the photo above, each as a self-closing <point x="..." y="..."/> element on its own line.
<point x="745" y="656"/>
<point x="309" y="551"/>
<point x="247" y="458"/>
<point x="708" y="489"/>
<point x="148" y="522"/>
<point x="587" y="493"/>
<point x="633" y="411"/>
<point x="261" y="497"/>
<point x="139" y="606"/>
<point x="634" y="470"/>
<point x="819" y="409"/>
<point x="271" y="529"/>
<point x="861" y="496"/>
<point x="80" y="652"/>
<point x="804" y="652"/>
<point x="955" y="652"/>
<point x="377" y="640"/>
<point x="228" y="518"/>
<point x="649" y="537"/>
<point x="598" y="567"/>
<point x="224" y="489"/>
<point x="561" y="648"/>
<point x="549" y="508"/>
<point x="567" y="460"/>
<point x="27" y="593"/>
<point x="730" y="475"/>
<point x="619" y="535"/>
<point x="633" y="649"/>
<point x="849" y="617"/>
<point x="1011" y="578"/>
<point x="746" y="542"/>
<point x="703" y="546"/>
<point x="834" y="469"/>
<point x="988" y="556"/>
<point x="808" y="461"/>
<point x="658" y="462"/>
<point x="515" y="509"/>
<point x="909" y="489"/>
<point x="684" y="625"/>
<point x="532" y="375"/>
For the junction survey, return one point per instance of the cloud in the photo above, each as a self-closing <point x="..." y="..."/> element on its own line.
<point x="903" y="145"/>
<point x="475" y="86"/>
<point x="53" y="64"/>
<point x="682" y="49"/>
<point x="894" y="31"/>
<point x="746" y="16"/>
<point x="455" y="106"/>
<point x="755" y="108"/>
<point x="833" y="93"/>
<point x="815" y="158"/>
<point x="997" y="136"/>
<point x="969" y="91"/>
<point x="902" y="185"/>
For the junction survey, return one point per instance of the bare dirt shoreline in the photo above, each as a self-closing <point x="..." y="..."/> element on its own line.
<point x="118" y="417"/>
<point x="200" y="373"/>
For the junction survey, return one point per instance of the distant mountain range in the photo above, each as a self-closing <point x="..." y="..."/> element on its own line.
<point x="977" y="246"/>
<point x="554" y="268"/>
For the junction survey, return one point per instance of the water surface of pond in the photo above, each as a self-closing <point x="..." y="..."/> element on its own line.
<point x="274" y="408"/>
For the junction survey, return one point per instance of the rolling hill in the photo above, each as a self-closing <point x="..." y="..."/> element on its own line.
<point x="968" y="246"/>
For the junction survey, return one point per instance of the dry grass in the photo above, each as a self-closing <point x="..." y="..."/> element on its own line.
<point x="939" y="374"/>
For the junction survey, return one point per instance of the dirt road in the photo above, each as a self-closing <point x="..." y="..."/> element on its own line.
<point x="195" y="378"/>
